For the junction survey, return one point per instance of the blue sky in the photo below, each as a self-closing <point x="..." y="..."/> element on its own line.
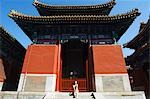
<point x="26" y="7"/>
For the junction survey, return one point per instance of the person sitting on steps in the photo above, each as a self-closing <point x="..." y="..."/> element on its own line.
<point x="75" y="89"/>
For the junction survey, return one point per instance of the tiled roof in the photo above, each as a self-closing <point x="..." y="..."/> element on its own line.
<point x="74" y="18"/>
<point x="40" y="4"/>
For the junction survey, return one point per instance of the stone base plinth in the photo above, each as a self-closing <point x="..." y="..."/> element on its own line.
<point x="112" y="83"/>
<point x="37" y="83"/>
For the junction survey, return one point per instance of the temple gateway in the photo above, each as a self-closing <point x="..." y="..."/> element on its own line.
<point x="75" y="44"/>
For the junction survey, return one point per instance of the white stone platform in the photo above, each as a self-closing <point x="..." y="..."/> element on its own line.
<point x="65" y="95"/>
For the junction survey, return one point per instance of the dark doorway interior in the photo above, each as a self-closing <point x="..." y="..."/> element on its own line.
<point x="74" y="56"/>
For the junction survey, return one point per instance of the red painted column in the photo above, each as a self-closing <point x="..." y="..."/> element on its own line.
<point x="58" y="79"/>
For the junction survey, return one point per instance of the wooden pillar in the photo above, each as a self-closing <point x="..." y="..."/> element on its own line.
<point x="59" y="69"/>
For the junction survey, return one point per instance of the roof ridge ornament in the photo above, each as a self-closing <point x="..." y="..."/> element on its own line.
<point x="36" y="1"/>
<point x="12" y="13"/>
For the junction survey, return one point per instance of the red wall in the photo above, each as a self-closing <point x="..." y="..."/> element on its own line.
<point x="41" y="59"/>
<point x="2" y="72"/>
<point x="108" y="59"/>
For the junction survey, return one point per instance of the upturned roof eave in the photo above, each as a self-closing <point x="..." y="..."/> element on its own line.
<point x="42" y="8"/>
<point x="131" y="43"/>
<point x="19" y="16"/>
<point x="9" y="37"/>
<point x="100" y="19"/>
<point x="138" y="52"/>
<point x="37" y="3"/>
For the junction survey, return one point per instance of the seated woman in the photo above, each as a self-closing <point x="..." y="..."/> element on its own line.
<point x="75" y="89"/>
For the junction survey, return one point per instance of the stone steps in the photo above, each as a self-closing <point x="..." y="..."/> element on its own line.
<point x="67" y="96"/>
